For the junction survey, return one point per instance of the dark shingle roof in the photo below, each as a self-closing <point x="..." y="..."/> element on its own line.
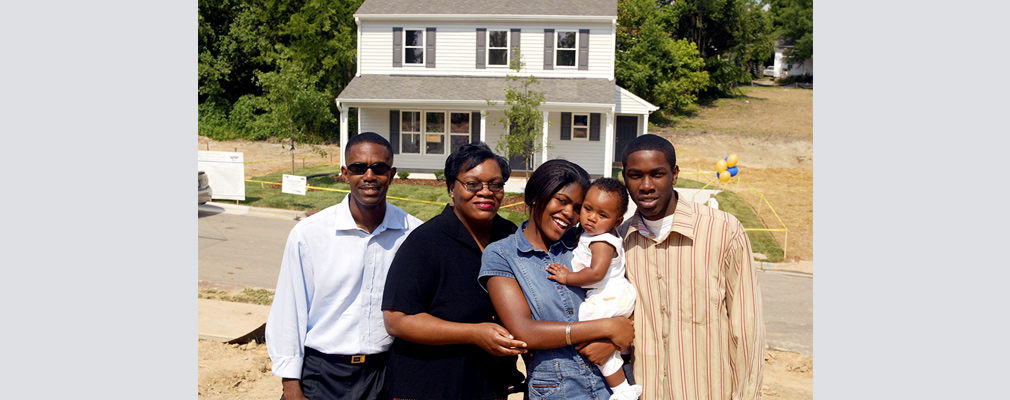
<point x="476" y="89"/>
<point x="484" y="7"/>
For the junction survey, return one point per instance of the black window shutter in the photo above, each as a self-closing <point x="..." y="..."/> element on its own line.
<point x="594" y="127"/>
<point x="475" y="127"/>
<point x="394" y="130"/>
<point x="583" y="49"/>
<point x="548" y="49"/>
<point x="566" y="126"/>
<point x="429" y="48"/>
<point x="481" y="47"/>
<point x="397" y="47"/>
<point x="515" y="45"/>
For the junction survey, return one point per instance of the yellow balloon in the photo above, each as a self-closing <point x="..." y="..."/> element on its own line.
<point x="731" y="160"/>
<point x="724" y="176"/>
<point x="720" y="165"/>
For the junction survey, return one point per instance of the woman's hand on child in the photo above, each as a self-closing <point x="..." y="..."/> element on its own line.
<point x="623" y="332"/>
<point x="597" y="351"/>
<point x="558" y="273"/>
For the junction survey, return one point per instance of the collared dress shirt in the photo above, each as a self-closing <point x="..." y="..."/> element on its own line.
<point x="699" y="332"/>
<point x="330" y="287"/>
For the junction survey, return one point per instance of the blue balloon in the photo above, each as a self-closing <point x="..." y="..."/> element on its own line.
<point x="732" y="171"/>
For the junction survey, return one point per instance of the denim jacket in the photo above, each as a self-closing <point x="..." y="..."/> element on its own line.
<point x="560" y="373"/>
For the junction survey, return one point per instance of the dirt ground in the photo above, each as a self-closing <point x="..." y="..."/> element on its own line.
<point x="776" y="160"/>
<point x="242" y="372"/>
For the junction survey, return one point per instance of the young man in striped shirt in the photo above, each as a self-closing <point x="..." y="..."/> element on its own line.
<point x="699" y="332"/>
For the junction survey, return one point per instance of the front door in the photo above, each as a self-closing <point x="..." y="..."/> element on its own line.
<point x="627" y="130"/>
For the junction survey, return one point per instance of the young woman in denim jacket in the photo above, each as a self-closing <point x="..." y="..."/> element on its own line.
<point x="542" y="312"/>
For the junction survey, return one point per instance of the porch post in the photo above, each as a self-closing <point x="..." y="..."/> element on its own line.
<point x="343" y="129"/>
<point x="608" y="147"/>
<point x="543" y="154"/>
<point x="483" y="126"/>
<point x="644" y="125"/>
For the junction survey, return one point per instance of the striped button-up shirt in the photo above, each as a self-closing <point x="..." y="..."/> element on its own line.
<point x="699" y="333"/>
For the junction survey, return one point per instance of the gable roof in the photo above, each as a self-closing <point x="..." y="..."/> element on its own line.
<point x="471" y="91"/>
<point x="589" y="8"/>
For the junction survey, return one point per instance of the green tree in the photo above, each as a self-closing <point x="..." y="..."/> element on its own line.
<point x="243" y="42"/>
<point x="522" y="115"/>
<point x="733" y="36"/>
<point x="650" y="63"/>
<point x="794" y="21"/>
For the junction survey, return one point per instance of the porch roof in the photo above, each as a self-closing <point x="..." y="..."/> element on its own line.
<point x="399" y="90"/>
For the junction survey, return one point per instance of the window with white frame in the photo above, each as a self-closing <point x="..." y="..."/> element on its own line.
<point x="565" y="50"/>
<point x="580" y="126"/>
<point x="434" y="132"/>
<point x="498" y="47"/>
<point x="410" y="132"/>
<point x="413" y="46"/>
<point x="459" y="130"/>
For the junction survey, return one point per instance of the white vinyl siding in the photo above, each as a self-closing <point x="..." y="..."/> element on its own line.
<point x="456" y="46"/>
<point x="588" y="154"/>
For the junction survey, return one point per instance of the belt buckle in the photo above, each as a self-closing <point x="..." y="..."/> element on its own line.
<point x="357" y="359"/>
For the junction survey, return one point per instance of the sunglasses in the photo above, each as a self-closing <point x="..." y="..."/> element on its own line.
<point x="359" y="168"/>
<point x="474" y="187"/>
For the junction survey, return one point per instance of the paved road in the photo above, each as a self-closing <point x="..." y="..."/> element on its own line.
<point x="241" y="250"/>
<point x="245" y="250"/>
<point x="788" y="301"/>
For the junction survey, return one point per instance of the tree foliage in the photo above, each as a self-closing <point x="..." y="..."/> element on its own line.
<point x="522" y="114"/>
<point x="794" y="22"/>
<point x="270" y="67"/>
<point x="650" y="63"/>
<point x="732" y="36"/>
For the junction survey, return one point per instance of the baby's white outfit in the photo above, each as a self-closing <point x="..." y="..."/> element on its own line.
<point x="613" y="296"/>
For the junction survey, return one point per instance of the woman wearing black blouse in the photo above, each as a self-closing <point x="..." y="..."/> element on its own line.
<point x="447" y="341"/>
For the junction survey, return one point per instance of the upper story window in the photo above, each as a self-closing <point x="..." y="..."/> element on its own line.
<point x="498" y="47"/>
<point x="566" y="48"/>
<point x="580" y="126"/>
<point x="413" y="46"/>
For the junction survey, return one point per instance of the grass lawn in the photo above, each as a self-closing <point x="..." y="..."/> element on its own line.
<point x="418" y="201"/>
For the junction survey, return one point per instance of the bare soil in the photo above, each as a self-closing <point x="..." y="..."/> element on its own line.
<point x="242" y="372"/>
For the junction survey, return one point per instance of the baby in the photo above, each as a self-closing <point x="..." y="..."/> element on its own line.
<point x="598" y="265"/>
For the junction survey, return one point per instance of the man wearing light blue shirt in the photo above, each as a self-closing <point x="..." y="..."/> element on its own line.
<point x="325" y="332"/>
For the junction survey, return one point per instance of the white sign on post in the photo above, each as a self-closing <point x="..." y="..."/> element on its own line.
<point x="293" y="184"/>
<point x="225" y="173"/>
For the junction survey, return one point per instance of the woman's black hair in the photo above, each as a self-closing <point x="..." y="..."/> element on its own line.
<point x="614" y="187"/>
<point x="548" y="179"/>
<point x="469" y="156"/>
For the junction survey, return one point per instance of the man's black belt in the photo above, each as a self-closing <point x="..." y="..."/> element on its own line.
<point x="350" y="359"/>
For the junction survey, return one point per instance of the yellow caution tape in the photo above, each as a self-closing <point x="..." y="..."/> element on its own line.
<point x="348" y="191"/>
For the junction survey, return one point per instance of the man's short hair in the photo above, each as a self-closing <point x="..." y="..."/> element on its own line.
<point x="368" y="137"/>
<point x="614" y="187"/>
<point x="650" y="142"/>
<point x="469" y="156"/>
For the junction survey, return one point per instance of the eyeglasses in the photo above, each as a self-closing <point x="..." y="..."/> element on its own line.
<point x="474" y="187"/>
<point x="359" y="168"/>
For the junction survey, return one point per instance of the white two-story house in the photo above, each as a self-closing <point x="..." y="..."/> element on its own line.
<point x="426" y="69"/>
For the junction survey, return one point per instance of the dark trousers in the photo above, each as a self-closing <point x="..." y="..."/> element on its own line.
<point x="332" y="377"/>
